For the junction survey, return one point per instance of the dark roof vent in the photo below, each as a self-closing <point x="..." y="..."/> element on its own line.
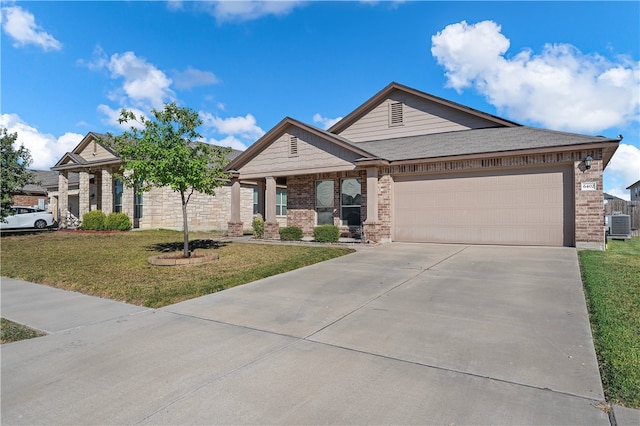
<point x="293" y="146"/>
<point x="396" y="116"/>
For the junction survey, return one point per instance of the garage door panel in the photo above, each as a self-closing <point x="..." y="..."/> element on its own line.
<point x="509" y="208"/>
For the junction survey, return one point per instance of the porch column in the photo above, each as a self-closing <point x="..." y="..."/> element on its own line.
<point x="234" y="226"/>
<point x="63" y="199"/>
<point x="372" y="224"/>
<point x="271" y="228"/>
<point x="84" y="194"/>
<point x="106" y="191"/>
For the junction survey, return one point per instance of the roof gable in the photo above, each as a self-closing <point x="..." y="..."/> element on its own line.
<point x="317" y="148"/>
<point x="420" y="113"/>
<point x="90" y="151"/>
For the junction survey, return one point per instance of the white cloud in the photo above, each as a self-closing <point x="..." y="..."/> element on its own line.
<point x="45" y="148"/>
<point x="111" y="117"/>
<point x="98" y="61"/>
<point x="623" y="170"/>
<point x="559" y="88"/>
<point x="229" y="141"/>
<point x="21" y="26"/>
<point x="192" y="77"/>
<point x="241" y="11"/>
<point x="143" y="82"/>
<point x="245" y="127"/>
<point x="620" y="193"/>
<point x="324" y="121"/>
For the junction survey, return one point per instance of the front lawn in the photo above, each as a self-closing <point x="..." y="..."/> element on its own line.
<point x="114" y="266"/>
<point x="612" y="288"/>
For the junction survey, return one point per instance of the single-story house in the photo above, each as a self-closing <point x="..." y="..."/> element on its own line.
<point x="85" y="182"/>
<point x="409" y="166"/>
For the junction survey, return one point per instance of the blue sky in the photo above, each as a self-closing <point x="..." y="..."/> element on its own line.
<point x="69" y="67"/>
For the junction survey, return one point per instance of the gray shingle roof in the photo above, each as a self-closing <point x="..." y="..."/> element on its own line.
<point x="475" y="141"/>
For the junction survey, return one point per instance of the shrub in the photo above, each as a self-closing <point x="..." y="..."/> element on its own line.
<point x="117" y="222"/>
<point x="326" y="233"/>
<point x="93" y="220"/>
<point x="258" y="226"/>
<point x="290" y="233"/>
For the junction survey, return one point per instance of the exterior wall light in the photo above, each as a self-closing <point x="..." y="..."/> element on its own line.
<point x="587" y="162"/>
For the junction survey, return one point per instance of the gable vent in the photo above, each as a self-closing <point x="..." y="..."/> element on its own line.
<point x="293" y="146"/>
<point x="396" y="116"/>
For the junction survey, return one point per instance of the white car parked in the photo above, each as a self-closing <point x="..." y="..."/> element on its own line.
<point x="27" y="217"/>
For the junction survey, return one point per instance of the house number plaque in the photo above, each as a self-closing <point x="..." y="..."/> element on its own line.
<point x="589" y="186"/>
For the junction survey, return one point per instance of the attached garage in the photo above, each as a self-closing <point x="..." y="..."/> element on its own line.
<point x="523" y="206"/>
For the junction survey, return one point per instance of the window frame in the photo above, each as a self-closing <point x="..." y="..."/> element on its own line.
<point x="281" y="208"/>
<point x="117" y="196"/>
<point x="327" y="208"/>
<point x="345" y="221"/>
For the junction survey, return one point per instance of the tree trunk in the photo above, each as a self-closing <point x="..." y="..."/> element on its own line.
<point x="185" y="226"/>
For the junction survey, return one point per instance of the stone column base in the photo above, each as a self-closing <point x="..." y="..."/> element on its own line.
<point x="372" y="232"/>
<point x="271" y="231"/>
<point x="235" y="229"/>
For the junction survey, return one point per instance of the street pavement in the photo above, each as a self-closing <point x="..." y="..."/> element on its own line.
<point x="391" y="334"/>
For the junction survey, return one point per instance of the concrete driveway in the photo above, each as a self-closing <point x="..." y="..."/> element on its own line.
<point x="394" y="334"/>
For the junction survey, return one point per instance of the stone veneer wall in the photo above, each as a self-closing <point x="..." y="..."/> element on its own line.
<point x="301" y="199"/>
<point x="385" y="201"/>
<point x="162" y="208"/>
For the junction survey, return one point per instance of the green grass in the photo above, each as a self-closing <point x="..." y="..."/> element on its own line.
<point x="114" y="266"/>
<point x="12" y="332"/>
<point x="612" y="289"/>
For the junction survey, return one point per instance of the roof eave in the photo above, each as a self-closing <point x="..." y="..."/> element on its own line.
<point x="605" y="146"/>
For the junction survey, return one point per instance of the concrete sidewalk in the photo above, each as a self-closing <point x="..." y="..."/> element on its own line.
<point x="401" y="333"/>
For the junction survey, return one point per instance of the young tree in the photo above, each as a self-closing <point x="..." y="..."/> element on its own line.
<point x="13" y="173"/>
<point x="163" y="151"/>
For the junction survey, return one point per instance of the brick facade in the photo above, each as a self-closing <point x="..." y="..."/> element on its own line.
<point x="301" y="200"/>
<point x="589" y="205"/>
<point x="589" y="227"/>
<point x="30" y="200"/>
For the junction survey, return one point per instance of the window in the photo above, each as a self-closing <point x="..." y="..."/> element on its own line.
<point x="350" y="196"/>
<point x="396" y="114"/>
<point x="137" y="203"/>
<point x="281" y="202"/>
<point x="256" y="205"/>
<point x="117" y="196"/>
<point x="293" y="146"/>
<point x="324" y="202"/>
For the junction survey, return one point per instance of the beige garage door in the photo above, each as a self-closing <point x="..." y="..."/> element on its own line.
<point x="531" y="207"/>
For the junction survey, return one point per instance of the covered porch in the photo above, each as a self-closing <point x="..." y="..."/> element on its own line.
<point x="337" y="198"/>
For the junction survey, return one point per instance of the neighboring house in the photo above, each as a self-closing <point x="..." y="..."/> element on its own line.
<point x="85" y="182"/>
<point x="635" y="191"/>
<point x="409" y="166"/>
<point x="35" y="194"/>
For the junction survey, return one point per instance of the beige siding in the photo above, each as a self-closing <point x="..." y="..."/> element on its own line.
<point x="95" y="152"/>
<point x="529" y="207"/>
<point x="420" y="117"/>
<point x="314" y="153"/>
